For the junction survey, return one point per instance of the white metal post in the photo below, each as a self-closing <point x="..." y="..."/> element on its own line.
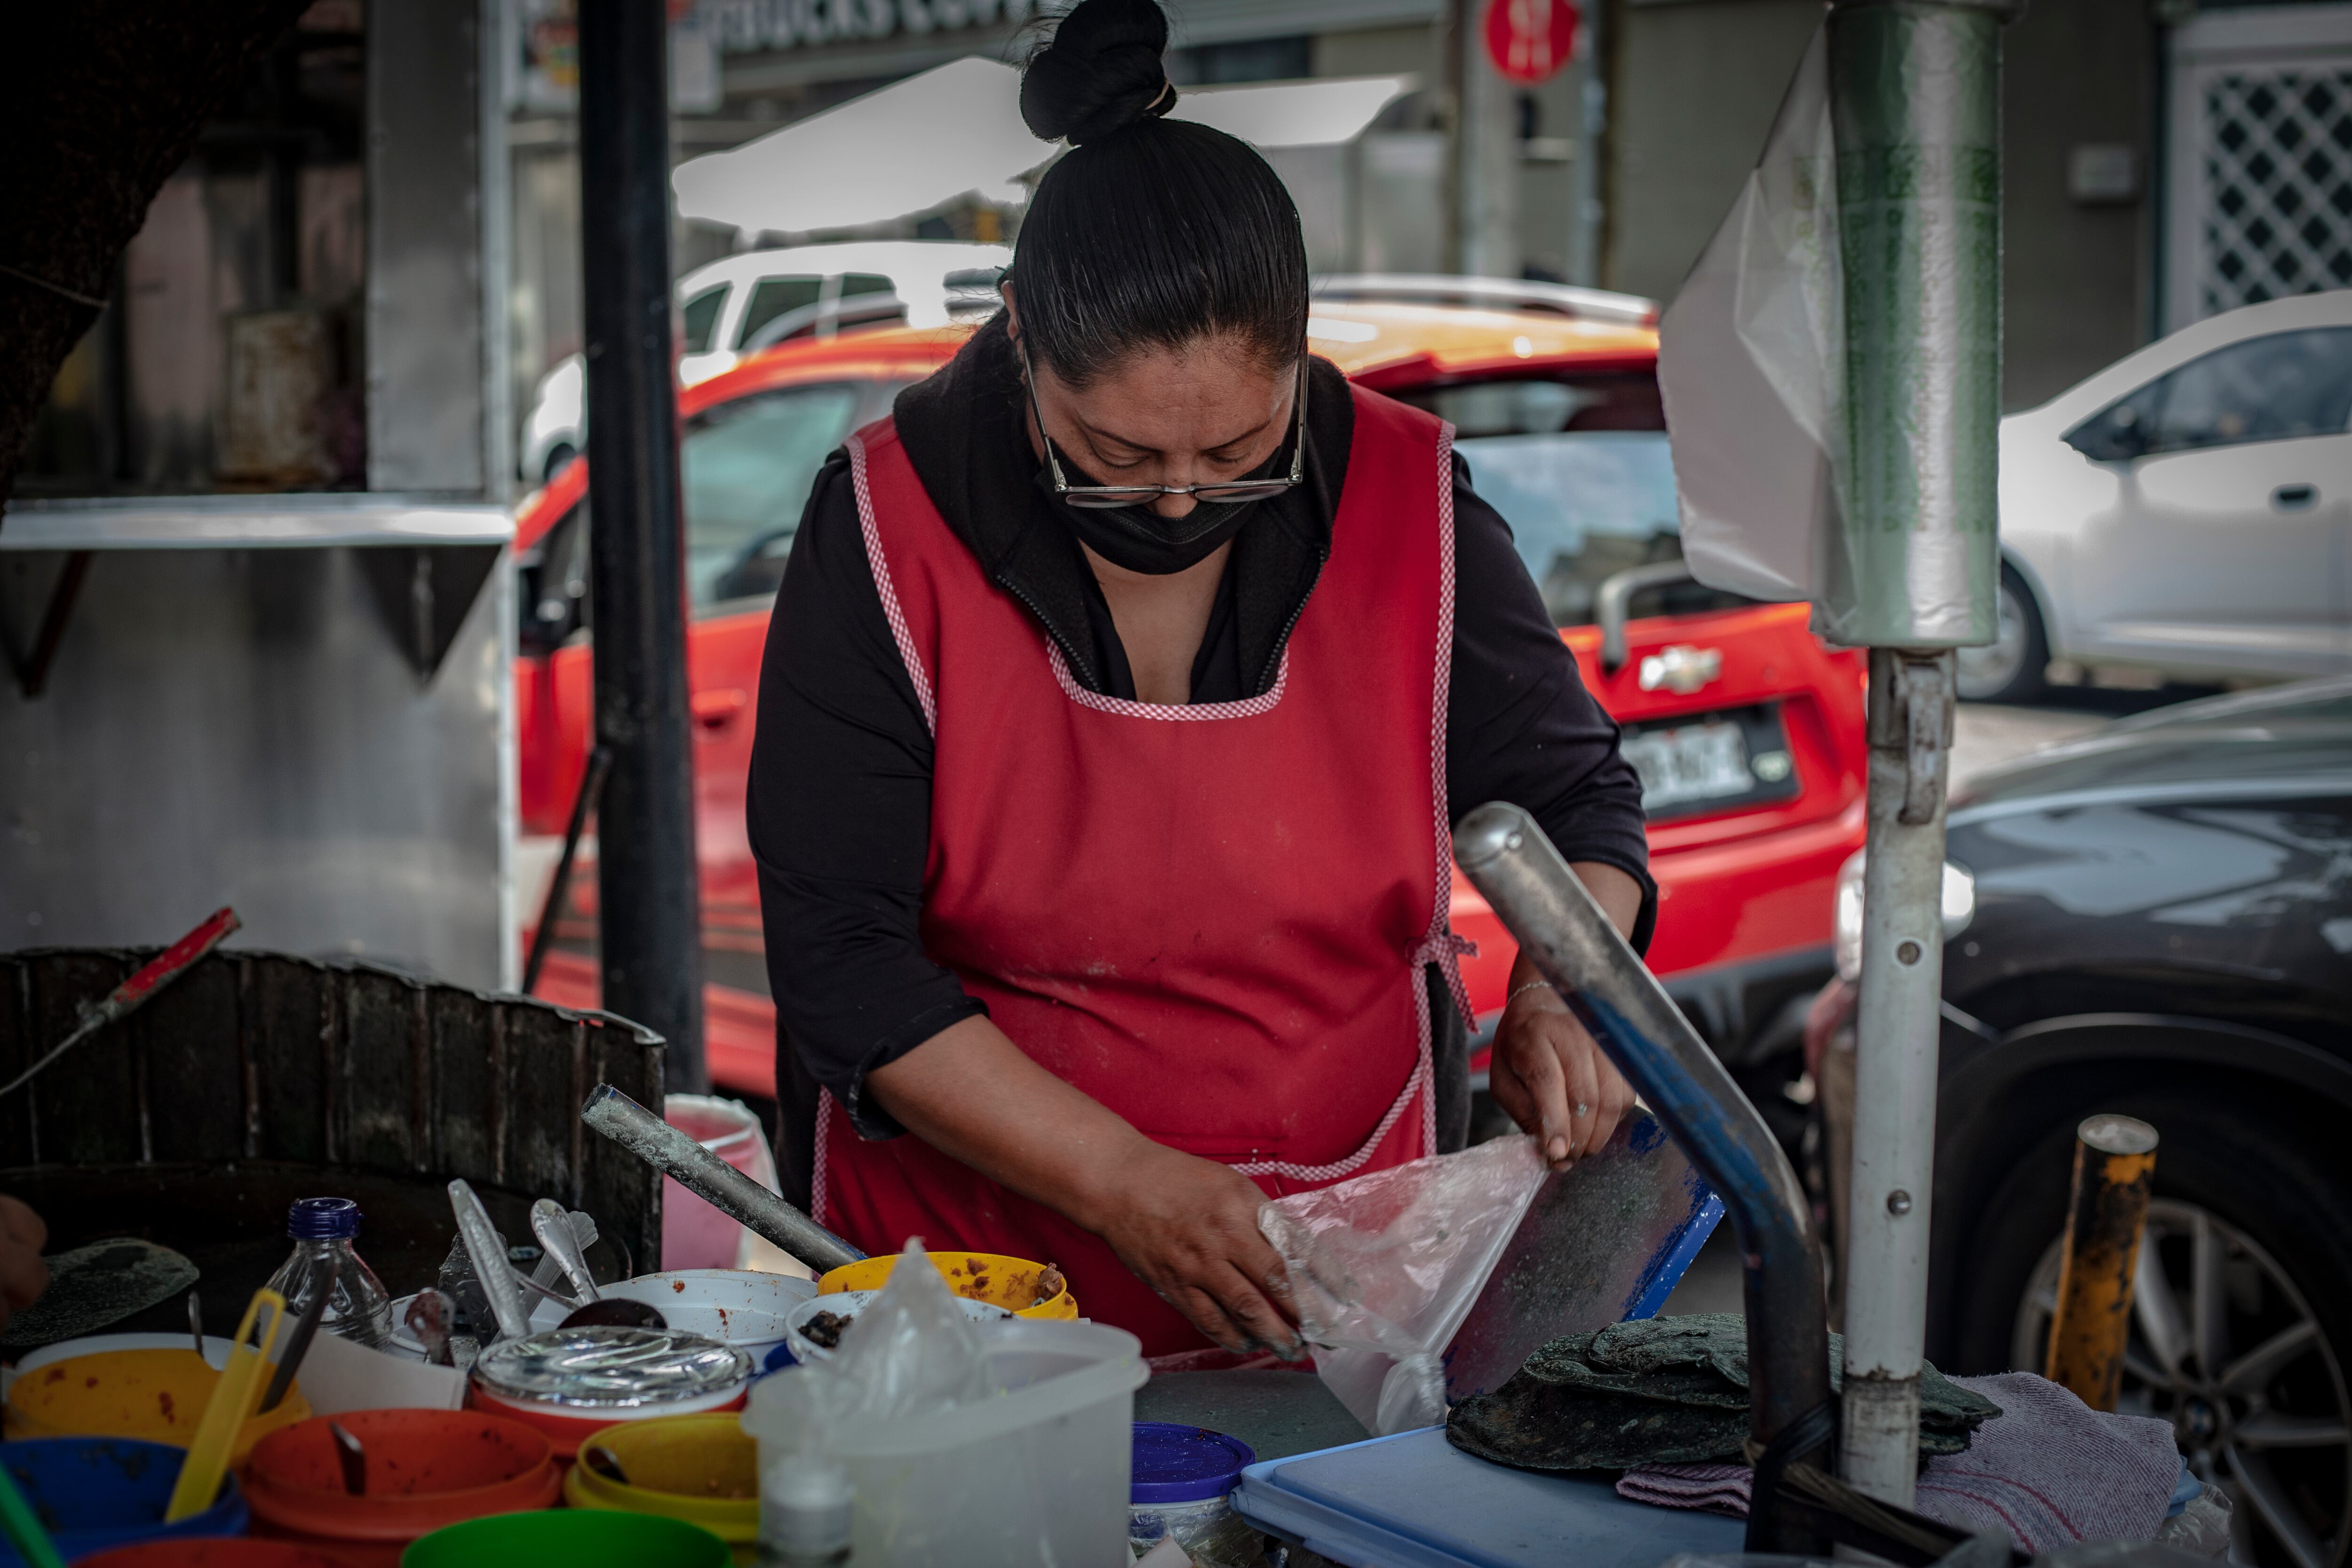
<point x="1897" y="1029"/>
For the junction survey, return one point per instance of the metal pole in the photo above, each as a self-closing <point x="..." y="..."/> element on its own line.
<point x="650" y="937"/>
<point x="1539" y="901"/>
<point x="1916" y="110"/>
<point x="2114" y="1167"/>
<point x="1485" y="152"/>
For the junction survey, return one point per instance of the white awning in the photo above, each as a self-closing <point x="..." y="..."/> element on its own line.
<point x="1293" y="113"/>
<point x="956" y="130"/>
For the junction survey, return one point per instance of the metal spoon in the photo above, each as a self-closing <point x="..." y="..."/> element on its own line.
<point x="490" y="1265"/>
<point x="197" y="1323"/>
<point x="553" y="1228"/>
<point x="428" y="1321"/>
<point x="616" y="1312"/>
<point x="353" y="1457"/>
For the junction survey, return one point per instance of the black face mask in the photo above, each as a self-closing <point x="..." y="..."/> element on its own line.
<point x="1139" y="539"/>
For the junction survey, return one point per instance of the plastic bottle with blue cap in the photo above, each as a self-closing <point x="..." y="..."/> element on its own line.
<point x="323" y="1259"/>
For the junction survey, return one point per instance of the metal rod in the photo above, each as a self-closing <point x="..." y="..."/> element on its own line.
<point x="1897" y="1036"/>
<point x="34" y="675"/>
<point x="559" y="887"/>
<point x="713" y="1179"/>
<point x="649" y="908"/>
<point x="2114" y="1167"/>
<point x="1540" y="900"/>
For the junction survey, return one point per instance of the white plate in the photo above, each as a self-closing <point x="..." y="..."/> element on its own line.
<point x="740" y="1307"/>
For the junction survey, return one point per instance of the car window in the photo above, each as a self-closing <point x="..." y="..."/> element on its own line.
<point x="701" y="319"/>
<point x="1581" y="505"/>
<point x="748" y="465"/>
<point x="2273" y="388"/>
<point x="1580" y="470"/>
<point x="866" y="283"/>
<point x="771" y="297"/>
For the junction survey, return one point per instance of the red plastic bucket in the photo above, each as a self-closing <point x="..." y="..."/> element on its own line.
<point x="425" y="1469"/>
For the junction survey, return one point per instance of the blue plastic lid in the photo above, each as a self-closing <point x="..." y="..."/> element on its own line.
<point x="1175" y="1463"/>
<point x="322" y="1219"/>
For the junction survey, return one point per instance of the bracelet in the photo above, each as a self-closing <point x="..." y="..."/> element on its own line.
<point x="1519" y="991"/>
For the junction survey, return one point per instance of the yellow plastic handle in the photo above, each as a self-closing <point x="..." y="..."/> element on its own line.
<point x="231" y="1405"/>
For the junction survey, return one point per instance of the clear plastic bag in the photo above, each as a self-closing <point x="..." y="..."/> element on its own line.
<point x="1385" y="1267"/>
<point x="911" y="1353"/>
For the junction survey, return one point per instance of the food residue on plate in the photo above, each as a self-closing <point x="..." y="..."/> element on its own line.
<point x="824" y="1328"/>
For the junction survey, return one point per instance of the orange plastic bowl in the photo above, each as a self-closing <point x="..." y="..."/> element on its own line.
<point x="1007" y="1282"/>
<point x="425" y="1469"/>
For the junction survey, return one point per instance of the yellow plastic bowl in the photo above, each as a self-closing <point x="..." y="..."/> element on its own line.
<point x="704" y="1469"/>
<point x="155" y="1394"/>
<point x="1007" y="1282"/>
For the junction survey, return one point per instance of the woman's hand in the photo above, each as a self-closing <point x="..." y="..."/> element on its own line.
<point x="22" y="1275"/>
<point x="1185" y="1226"/>
<point x="1550" y="1077"/>
<point x="1547" y="1073"/>
<point x="1188" y="1229"/>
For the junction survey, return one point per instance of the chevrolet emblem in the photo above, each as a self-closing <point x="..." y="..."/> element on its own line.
<point x="1681" y="670"/>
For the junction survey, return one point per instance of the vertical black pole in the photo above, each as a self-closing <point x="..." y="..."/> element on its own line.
<point x="651" y="938"/>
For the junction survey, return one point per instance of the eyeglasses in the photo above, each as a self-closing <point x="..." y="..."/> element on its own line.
<point x="1105" y="496"/>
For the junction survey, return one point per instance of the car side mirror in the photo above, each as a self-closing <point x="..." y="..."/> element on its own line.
<point x="2117" y="434"/>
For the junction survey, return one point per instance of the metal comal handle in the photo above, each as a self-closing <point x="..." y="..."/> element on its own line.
<point x="1572" y="944"/>
<point x="713" y="1179"/>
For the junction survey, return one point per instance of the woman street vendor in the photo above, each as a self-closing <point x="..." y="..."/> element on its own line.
<point x="1120" y="696"/>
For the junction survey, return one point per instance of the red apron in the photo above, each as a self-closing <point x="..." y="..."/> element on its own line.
<point x="1212" y="919"/>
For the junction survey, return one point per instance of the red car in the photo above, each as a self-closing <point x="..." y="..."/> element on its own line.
<point x="1746" y="730"/>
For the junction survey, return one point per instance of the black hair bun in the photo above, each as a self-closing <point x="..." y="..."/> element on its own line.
<point x="1101" y="73"/>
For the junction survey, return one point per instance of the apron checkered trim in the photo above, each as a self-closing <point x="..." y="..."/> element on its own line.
<point x="889" y="595"/>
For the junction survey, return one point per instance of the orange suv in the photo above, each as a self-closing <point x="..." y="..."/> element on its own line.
<point x="1746" y="730"/>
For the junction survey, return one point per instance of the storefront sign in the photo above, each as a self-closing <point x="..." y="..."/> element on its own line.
<point x="1529" y="40"/>
<point x="741" y="26"/>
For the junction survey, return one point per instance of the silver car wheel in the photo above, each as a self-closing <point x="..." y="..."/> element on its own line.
<point x="1983" y="672"/>
<point x="2206" y="1297"/>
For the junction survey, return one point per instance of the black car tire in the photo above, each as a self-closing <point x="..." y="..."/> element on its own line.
<point x="2251" y="1169"/>
<point x="2013" y="669"/>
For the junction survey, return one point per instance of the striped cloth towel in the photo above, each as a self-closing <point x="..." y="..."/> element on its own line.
<point x="2047" y="1472"/>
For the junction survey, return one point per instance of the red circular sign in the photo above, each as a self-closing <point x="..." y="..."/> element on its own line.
<point x="1530" y="40"/>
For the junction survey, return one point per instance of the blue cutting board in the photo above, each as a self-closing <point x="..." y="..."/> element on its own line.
<point x="1414" y="1500"/>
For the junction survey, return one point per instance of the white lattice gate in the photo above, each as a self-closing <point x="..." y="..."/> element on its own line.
<point x="2259" y="149"/>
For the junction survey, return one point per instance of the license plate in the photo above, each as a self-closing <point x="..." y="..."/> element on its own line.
<point x="1711" y="760"/>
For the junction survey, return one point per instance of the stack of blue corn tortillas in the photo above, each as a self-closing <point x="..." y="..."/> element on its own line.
<point x="1661" y="1391"/>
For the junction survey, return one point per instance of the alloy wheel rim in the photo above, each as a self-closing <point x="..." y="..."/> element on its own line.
<point x="1994" y="666"/>
<point x="2271" y="1427"/>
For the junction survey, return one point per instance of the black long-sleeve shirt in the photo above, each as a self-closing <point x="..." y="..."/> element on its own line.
<point x="840" y="788"/>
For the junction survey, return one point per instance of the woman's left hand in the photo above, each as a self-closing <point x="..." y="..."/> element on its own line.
<point x="1551" y="1078"/>
<point x="1547" y="1073"/>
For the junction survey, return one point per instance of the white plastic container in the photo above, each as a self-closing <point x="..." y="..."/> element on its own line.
<point x="1037" y="1476"/>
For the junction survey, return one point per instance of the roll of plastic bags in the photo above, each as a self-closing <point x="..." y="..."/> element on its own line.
<point x="1385" y="1267"/>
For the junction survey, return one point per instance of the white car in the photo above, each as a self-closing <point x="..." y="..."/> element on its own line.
<point x="745" y="303"/>
<point x="2187" y="510"/>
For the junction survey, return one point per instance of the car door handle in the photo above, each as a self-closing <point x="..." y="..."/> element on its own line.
<point x="716" y="709"/>
<point x="2294" y="498"/>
